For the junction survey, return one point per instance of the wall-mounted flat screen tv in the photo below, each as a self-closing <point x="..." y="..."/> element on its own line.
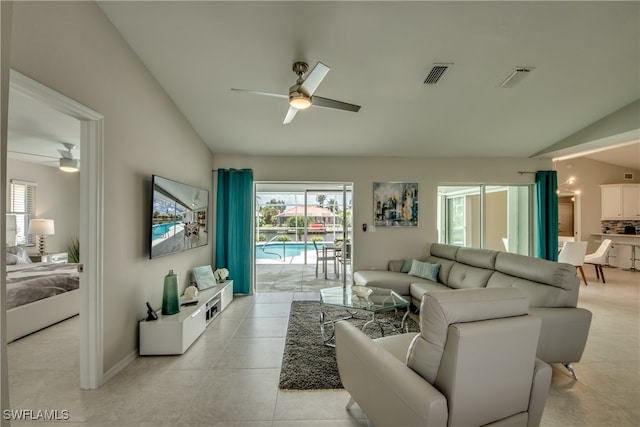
<point x="179" y="217"/>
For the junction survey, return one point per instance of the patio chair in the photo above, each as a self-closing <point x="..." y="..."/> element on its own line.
<point x="344" y="257"/>
<point x="322" y="256"/>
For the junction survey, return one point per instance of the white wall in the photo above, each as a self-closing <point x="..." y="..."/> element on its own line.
<point x="72" y="48"/>
<point x="57" y="198"/>
<point x="374" y="249"/>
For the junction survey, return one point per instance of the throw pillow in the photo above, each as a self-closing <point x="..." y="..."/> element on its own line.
<point x="12" y="259"/>
<point x="21" y="254"/>
<point x="425" y="270"/>
<point x="406" y="267"/>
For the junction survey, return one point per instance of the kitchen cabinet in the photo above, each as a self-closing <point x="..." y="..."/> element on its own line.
<point x="620" y="201"/>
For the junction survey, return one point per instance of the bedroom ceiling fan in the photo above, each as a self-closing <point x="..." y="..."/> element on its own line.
<point x="301" y="93"/>
<point x="67" y="162"/>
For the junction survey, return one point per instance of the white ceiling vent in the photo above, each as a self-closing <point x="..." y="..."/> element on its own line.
<point x="436" y="73"/>
<point x="516" y="76"/>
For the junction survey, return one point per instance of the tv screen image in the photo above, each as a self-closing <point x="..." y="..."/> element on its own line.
<point x="179" y="216"/>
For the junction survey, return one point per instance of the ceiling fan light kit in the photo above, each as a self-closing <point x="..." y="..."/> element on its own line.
<point x="67" y="162"/>
<point x="299" y="100"/>
<point x="69" y="165"/>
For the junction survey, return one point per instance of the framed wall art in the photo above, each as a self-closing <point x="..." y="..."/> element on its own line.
<point x="203" y="276"/>
<point x="395" y="204"/>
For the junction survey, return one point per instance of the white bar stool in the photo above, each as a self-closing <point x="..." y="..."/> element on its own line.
<point x="633" y="259"/>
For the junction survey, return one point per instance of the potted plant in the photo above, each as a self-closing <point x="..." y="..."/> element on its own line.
<point x="74" y="251"/>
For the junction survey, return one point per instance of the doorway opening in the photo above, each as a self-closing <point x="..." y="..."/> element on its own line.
<point x="566" y="209"/>
<point x="303" y="235"/>
<point x="91" y="222"/>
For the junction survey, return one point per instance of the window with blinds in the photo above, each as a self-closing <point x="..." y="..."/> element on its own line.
<point x="23" y="205"/>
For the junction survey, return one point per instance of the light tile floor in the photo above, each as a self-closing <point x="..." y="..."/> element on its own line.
<point x="229" y="377"/>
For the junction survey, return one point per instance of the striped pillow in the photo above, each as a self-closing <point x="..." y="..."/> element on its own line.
<point x="406" y="267"/>
<point x="425" y="270"/>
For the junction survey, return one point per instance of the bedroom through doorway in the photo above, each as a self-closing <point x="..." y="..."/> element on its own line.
<point x="46" y="132"/>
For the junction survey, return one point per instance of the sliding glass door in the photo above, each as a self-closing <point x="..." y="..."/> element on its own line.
<point x="459" y="208"/>
<point x="296" y="223"/>
<point x="494" y="217"/>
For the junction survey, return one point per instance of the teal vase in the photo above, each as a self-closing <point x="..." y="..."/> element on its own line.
<point x="170" y="296"/>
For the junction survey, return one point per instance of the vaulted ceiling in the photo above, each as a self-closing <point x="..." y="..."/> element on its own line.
<point x="584" y="59"/>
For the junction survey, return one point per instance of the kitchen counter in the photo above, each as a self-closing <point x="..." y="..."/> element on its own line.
<point x="620" y="253"/>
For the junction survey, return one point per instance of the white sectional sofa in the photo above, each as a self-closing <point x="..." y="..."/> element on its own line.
<point x="552" y="289"/>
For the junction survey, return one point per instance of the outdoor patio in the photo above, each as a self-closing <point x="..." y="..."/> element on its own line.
<point x="288" y="277"/>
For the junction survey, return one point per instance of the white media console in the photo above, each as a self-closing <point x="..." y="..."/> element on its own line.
<point x="174" y="334"/>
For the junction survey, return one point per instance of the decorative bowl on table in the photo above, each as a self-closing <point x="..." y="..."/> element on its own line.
<point x="361" y="291"/>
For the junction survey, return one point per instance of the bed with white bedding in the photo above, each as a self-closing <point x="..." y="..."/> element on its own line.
<point x="39" y="295"/>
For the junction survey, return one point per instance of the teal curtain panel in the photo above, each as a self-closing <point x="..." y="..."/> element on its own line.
<point x="547" y="215"/>
<point x="234" y="217"/>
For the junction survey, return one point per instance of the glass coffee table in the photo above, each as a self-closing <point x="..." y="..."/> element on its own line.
<point x="334" y="302"/>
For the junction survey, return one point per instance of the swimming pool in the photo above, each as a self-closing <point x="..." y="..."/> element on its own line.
<point x="159" y="230"/>
<point x="278" y="250"/>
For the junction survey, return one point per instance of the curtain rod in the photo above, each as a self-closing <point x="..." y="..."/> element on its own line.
<point x="523" y="172"/>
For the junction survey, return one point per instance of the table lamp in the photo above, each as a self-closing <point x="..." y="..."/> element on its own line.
<point x="41" y="228"/>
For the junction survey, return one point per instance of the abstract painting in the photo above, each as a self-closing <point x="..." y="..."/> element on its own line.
<point x="395" y="204"/>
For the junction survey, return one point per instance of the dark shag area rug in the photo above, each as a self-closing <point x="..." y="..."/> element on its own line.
<point x="308" y="364"/>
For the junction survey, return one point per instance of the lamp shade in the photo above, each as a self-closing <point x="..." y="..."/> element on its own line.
<point x="43" y="227"/>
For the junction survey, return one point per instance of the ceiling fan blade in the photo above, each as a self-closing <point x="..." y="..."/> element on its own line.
<point x="290" y="115"/>
<point x="275" y="95"/>
<point x="66" y="154"/>
<point x="314" y="78"/>
<point x="33" y="154"/>
<point x="318" y="101"/>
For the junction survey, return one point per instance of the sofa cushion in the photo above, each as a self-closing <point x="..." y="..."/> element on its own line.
<point x="540" y="295"/>
<point x="445" y="267"/>
<point x="464" y="276"/>
<point x="441" y="250"/>
<point x="426" y="270"/>
<point x="483" y="258"/>
<point x="397" y="344"/>
<point x="397" y="281"/>
<point x="418" y="289"/>
<point x="441" y="309"/>
<point x="538" y="270"/>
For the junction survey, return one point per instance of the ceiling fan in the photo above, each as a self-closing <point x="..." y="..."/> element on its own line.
<point x="66" y="161"/>
<point x="301" y="93"/>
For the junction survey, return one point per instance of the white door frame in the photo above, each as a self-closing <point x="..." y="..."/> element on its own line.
<point x="577" y="213"/>
<point x="91" y="221"/>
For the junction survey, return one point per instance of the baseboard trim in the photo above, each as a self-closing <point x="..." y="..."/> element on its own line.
<point x="120" y="366"/>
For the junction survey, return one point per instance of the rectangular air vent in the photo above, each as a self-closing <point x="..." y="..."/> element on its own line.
<point x="516" y="76"/>
<point x="628" y="176"/>
<point x="436" y="73"/>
